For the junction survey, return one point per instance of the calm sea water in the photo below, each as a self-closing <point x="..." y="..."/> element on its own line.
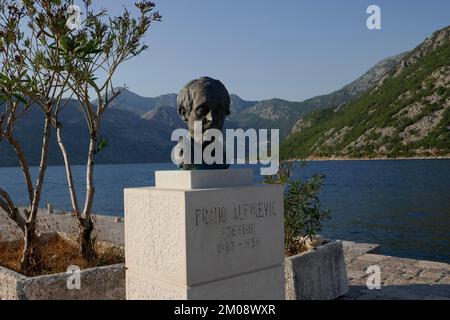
<point x="404" y="205"/>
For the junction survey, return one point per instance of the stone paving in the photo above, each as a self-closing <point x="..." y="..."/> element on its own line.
<point x="400" y="278"/>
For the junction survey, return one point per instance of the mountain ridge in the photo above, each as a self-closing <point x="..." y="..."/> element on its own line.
<point x="407" y="114"/>
<point x="138" y="128"/>
<point x="284" y="114"/>
<point x="269" y="113"/>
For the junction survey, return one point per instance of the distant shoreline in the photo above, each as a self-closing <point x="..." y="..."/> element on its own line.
<point x="371" y="159"/>
<point x="296" y="159"/>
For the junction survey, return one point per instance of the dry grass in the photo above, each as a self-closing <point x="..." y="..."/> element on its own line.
<point x="58" y="253"/>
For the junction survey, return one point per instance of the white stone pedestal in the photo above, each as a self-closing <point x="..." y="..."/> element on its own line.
<point x="204" y="235"/>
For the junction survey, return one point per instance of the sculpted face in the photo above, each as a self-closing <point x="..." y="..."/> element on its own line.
<point x="205" y="100"/>
<point x="210" y="112"/>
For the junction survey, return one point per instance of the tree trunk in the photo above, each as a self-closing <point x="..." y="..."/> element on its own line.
<point x="69" y="176"/>
<point x="11" y="210"/>
<point x="85" y="224"/>
<point x="31" y="255"/>
<point x="87" y="248"/>
<point x="23" y="164"/>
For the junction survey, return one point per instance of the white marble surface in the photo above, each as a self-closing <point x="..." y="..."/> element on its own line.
<point x="193" y="238"/>
<point x="202" y="179"/>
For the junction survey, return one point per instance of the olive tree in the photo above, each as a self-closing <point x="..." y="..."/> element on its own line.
<point x="45" y="61"/>
<point x="28" y="80"/>
<point x="92" y="52"/>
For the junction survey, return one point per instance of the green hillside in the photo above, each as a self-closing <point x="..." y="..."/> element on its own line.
<point x="283" y="115"/>
<point x="407" y="114"/>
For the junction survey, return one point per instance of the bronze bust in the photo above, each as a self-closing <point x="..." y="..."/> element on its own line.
<point x="204" y="100"/>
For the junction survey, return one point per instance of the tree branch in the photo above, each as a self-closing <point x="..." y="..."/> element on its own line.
<point x="11" y="210"/>
<point x="23" y="164"/>
<point x="42" y="169"/>
<point x="72" y="191"/>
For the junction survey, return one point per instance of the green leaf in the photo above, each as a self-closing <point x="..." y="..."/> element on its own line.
<point x="77" y="49"/>
<point x="63" y="43"/>
<point x="95" y="51"/>
<point x="3" y="78"/>
<point x="57" y="68"/>
<point x="101" y="145"/>
<point x="20" y="98"/>
<point x="22" y="74"/>
<point x="91" y="81"/>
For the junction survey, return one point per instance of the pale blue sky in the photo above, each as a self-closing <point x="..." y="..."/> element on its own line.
<point x="290" y="49"/>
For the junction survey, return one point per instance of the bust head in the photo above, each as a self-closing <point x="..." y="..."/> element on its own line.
<point x="206" y="100"/>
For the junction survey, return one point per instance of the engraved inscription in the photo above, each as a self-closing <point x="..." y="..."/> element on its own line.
<point x="210" y="216"/>
<point x="237" y="224"/>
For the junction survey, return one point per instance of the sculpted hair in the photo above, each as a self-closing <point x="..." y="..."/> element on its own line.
<point x="185" y="99"/>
